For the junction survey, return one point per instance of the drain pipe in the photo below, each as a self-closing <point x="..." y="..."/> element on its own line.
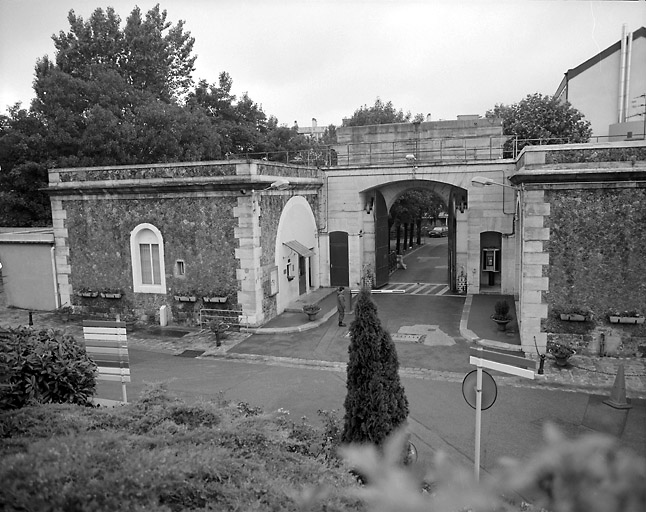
<point x="622" y="76"/>
<point x="629" y="51"/>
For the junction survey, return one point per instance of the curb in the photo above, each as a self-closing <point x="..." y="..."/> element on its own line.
<point x="299" y="328"/>
<point x="469" y="335"/>
<point x="545" y="382"/>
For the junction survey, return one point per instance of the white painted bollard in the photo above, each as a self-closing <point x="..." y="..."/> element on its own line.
<point x="163" y="316"/>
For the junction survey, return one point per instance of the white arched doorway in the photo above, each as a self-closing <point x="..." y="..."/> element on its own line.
<point x="296" y="252"/>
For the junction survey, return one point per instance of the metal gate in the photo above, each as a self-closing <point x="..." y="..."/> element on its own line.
<point x="382" y="245"/>
<point x="339" y="265"/>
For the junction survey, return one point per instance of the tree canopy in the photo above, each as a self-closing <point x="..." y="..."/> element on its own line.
<point x="119" y="95"/>
<point x="539" y="119"/>
<point x="379" y="113"/>
<point x="416" y="204"/>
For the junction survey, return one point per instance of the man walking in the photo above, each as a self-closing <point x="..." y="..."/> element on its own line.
<point x="340" y="305"/>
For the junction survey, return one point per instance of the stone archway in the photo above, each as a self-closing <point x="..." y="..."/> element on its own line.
<point x="296" y="252"/>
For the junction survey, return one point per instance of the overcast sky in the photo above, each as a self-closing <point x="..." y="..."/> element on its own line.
<point x="301" y="59"/>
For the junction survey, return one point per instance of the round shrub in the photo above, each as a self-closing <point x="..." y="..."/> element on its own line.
<point x="43" y="366"/>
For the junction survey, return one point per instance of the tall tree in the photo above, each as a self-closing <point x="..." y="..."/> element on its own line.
<point x="539" y="119"/>
<point x="110" y="96"/>
<point x="242" y="124"/>
<point x="379" y="113"/>
<point x="375" y="403"/>
<point x="22" y="171"/>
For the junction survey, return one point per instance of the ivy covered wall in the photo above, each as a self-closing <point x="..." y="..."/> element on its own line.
<point x="597" y="257"/>
<point x="197" y="230"/>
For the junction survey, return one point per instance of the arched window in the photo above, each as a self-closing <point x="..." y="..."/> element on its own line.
<point x="147" y="254"/>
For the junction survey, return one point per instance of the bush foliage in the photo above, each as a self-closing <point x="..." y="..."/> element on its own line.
<point x="160" y="453"/>
<point x="43" y="366"/>
<point x="375" y="403"/>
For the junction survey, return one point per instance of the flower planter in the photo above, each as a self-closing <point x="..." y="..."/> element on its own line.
<point x="185" y="298"/>
<point x="561" y="361"/>
<point x="214" y="299"/>
<point x="573" y="317"/>
<point x="626" y="319"/>
<point x="107" y="295"/>
<point x="502" y="324"/>
<point x="311" y="311"/>
<point x="89" y="295"/>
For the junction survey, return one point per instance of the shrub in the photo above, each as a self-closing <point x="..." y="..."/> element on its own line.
<point x="375" y="403"/>
<point x="43" y="366"/>
<point x="202" y="456"/>
<point x="502" y="310"/>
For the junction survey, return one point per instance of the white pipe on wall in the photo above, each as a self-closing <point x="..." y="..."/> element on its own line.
<point x="622" y="76"/>
<point x="57" y="299"/>
<point x="629" y="51"/>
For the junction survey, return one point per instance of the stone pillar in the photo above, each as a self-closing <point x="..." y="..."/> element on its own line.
<point x="249" y="273"/>
<point x="534" y="259"/>
<point x="62" y="252"/>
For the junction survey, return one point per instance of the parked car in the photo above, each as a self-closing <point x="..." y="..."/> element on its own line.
<point x="439" y="231"/>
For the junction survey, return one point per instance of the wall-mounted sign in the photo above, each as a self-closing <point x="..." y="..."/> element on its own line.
<point x="273" y="281"/>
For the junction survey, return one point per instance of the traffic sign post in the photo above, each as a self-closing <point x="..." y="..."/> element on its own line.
<point x="501" y="362"/>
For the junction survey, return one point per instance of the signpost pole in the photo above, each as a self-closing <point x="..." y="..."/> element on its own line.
<point x="478" y="421"/>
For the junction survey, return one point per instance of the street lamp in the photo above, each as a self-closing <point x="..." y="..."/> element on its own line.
<point x="480" y="181"/>
<point x="280" y="184"/>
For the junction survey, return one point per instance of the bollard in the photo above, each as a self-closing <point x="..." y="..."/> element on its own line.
<point x="31" y="319"/>
<point x="541" y="364"/>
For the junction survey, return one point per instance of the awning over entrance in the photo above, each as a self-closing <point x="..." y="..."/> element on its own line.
<point x="299" y="248"/>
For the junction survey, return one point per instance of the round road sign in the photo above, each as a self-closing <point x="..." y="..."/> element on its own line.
<point x="489" y="389"/>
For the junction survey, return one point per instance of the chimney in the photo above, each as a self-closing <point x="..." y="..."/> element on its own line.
<point x="314" y="122"/>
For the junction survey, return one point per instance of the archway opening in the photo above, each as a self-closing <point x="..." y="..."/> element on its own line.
<point x="419" y="234"/>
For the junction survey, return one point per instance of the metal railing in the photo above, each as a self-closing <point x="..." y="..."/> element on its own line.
<point x="423" y="150"/>
<point x="235" y="319"/>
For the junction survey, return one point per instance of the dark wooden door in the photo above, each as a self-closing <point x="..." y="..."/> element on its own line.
<point x="339" y="266"/>
<point x="302" y="285"/>
<point x="382" y="245"/>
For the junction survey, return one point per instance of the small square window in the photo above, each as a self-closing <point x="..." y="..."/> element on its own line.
<point x="180" y="268"/>
<point x="629" y="135"/>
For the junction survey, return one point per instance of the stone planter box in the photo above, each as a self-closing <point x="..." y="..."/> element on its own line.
<point x="626" y="319"/>
<point x="88" y="295"/>
<point x="107" y="295"/>
<point x="572" y="317"/>
<point x="214" y="300"/>
<point x="185" y="298"/>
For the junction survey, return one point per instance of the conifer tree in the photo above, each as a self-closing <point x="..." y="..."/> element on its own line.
<point x="375" y="403"/>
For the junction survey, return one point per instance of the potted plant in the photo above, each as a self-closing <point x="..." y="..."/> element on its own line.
<point x="574" y="314"/>
<point x="501" y="315"/>
<point x="560" y="352"/>
<point x="625" y="317"/>
<point x="220" y="329"/>
<point x="130" y="321"/>
<point x="311" y="310"/>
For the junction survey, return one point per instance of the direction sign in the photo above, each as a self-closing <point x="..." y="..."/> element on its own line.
<point x="502" y="362"/>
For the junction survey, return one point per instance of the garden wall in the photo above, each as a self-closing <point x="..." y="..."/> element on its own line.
<point x="589" y="205"/>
